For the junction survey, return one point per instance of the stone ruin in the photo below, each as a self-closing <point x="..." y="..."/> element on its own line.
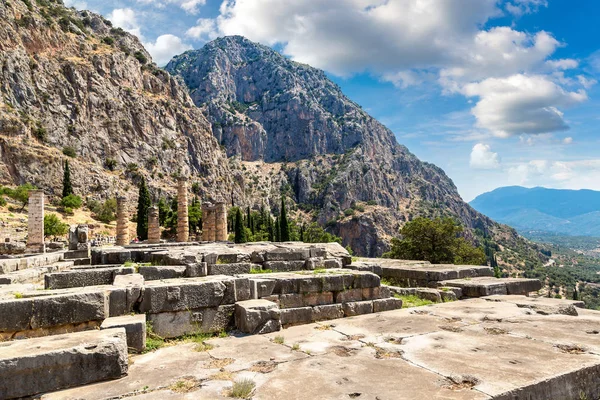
<point x="98" y="306"/>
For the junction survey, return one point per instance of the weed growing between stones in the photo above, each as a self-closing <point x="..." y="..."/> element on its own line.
<point x="279" y="340"/>
<point x="261" y="271"/>
<point x="185" y="385"/>
<point x="154" y="341"/>
<point x="412" y="301"/>
<point x="242" y="389"/>
<point x="18" y="295"/>
<point x="296" y="347"/>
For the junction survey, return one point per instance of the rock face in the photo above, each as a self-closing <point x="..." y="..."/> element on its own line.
<point x="331" y="157"/>
<point x="69" y="81"/>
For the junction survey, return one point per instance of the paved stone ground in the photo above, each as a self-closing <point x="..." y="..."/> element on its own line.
<point x="471" y="349"/>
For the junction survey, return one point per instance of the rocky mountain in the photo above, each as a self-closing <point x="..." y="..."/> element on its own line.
<point x="567" y="212"/>
<point x="294" y="130"/>
<point x="70" y="82"/>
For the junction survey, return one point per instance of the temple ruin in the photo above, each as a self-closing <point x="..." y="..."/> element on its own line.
<point x="35" y="222"/>
<point x="214" y="222"/>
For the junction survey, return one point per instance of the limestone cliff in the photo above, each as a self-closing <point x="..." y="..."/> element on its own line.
<point x="70" y="81"/>
<point x="337" y="162"/>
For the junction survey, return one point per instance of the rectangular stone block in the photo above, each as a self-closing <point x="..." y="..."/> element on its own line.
<point x="294" y="316"/>
<point x="366" y="280"/>
<point x="33" y="366"/>
<point x="338" y="283"/>
<point x="155" y="273"/>
<point x="287" y="254"/>
<point x="50" y="311"/>
<point x="348" y="295"/>
<point x="257" y="316"/>
<point x="357" y="308"/>
<point x="135" y="330"/>
<point x="261" y="287"/>
<point x="333" y="263"/>
<point x="371" y="293"/>
<point x="196" y="270"/>
<point x="311" y="284"/>
<point x="292" y="300"/>
<point x="189" y="322"/>
<point x="320" y="252"/>
<point x="243" y="290"/>
<point x="326" y="312"/>
<point x="187" y="294"/>
<point x="84" y="277"/>
<point x="314" y="263"/>
<point x="284" y="266"/>
<point x="232" y="269"/>
<point x="317" y="299"/>
<point x="388" y="304"/>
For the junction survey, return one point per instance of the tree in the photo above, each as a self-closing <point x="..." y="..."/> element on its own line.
<point x="67" y="187"/>
<point x="142" y="211"/>
<point x="436" y="241"/>
<point x="195" y="215"/>
<point x="316" y="234"/>
<point x="21" y="194"/>
<point x="240" y="229"/>
<point x="105" y="212"/>
<point x="71" y="201"/>
<point x="284" y="224"/>
<point x="276" y="231"/>
<point x="53" y="226"/>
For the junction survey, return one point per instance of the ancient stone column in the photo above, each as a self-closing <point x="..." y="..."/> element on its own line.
<point x="208" y="223"/>
<point x="220" y="222"/>
<point x="122" y="222"/>
<point x="183" y="227"/>
<point x="153" y="226"/>
<point x="35" y="222"/>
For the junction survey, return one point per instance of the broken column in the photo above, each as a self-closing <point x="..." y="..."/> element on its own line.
<point x="35" y="223"/>
<point x="183" y="228"/>
<point x="220" y="222"/>
<point x="153" y="226"/>
<point x="122" y="222"/>
<point x="209" y="222"/>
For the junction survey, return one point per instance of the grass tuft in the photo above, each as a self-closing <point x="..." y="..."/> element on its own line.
<point x="242" y="389"/>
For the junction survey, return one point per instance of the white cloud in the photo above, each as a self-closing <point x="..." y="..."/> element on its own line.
<point x="482" y="157"/>
<point x="189" y="6"/>
<point x="568" y="140"/>
<point x="562" y="64"/>
<point x="165" y="47"/>
<point x="126" y="18"/>
<point x="78" y="4"/>
<point x="205" y="29"/>
<point x="521" y="7"/>
<point x="521" y="104"/>
<point x="561" y="174"/>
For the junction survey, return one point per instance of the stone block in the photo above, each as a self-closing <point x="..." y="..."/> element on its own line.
<point x="366" y="280"/>
<point x="337" y="283"/>
<point x="186" y="294"/>
<point x="357" y="308"/>
<point x="295" y="316"/>
<point x="33" y="366"/>
<point x="232" y="269"/>
<point x="287" y="254"/>
<point x="448" y="296"/>
<point x="333" y="263"/>
<point x="257" y="316"/>
<point x="318" y="252"/>
<point x="135" y="330"/>
<point x="429" y="294"/>
<point x="284" y="285"/>
<point x="129" y="280"/>
<point x="125" y="294"/>
<point x="196" y="270"/>
<point x="284" y="266"/>
<point x="272" y="298"/>
<point x="348" y="295"/>
<point x="50" y="311"/>
<point x="384" y="292"/>
<point x="522" y="286"/>
<point x="456" y="290"/>
<point x="329" y="311"/>
<point x="388" y="304"/>
<point x="261" y="287"/>
<point x="74" y="254"/>
<point x="189" y="322"/>
<point x="155" y="273"/>
<point x="371" y="293"/>
<point x="257" y="257"/>
<point x="243" y="289"/>
<point x="311" y="284"/>
<point x="291" y="300"/>
<point x="314" y="263"/>
<point x="317" y="299"/>
<point x="84" y="277"/>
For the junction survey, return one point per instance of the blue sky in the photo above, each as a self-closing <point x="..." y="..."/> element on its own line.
<point x="495" y="92"/>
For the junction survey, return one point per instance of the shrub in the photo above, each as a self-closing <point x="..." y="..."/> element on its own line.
<point x="69" y="151"/>
<point x="348" y="212"/>
<point x="40" y="133"/>
<point x="110" y="163"/>
<point x="371" y="203"/>
<point x="53" y="226"/>
<point x="2" y="202"/>
<point x="140" y="57"/>
<point x="71" y="201"/>
<point x="105" y="212"/>
<point x="242" y="389"/>
<point x="108" y="40"/>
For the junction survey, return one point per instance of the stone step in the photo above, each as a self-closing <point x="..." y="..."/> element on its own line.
<point x="34" y="274"/>
<point x="487" y="286"/>
<point x="32" y="366"/>
<point x="16" y="264"/>
<point x="74" y="254"/>
<point x="84" y="277"/>
<point x="81" y="261"/>
<point x="135" y="329"/>
<point x="418" y="274"/>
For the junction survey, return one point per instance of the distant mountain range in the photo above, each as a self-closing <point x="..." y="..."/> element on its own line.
<point x="568" y="212"/>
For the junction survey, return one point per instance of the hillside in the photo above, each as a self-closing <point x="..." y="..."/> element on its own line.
<point x="568" y="212"/>
<point x="341" y="166"/>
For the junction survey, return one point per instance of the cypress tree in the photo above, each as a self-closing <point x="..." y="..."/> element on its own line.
<point x="277" y="230"/>
<point x="67" y="187"/>
<point x="142" y="211"/>
<point x="240" y="230"/>
<point x="248" y="218"/>
<point x="575" y="294"/>
<point x="284" y="225"/>
<point x="270" y="229"/>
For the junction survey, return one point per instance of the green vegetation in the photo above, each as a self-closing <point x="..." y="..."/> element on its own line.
<point x="110" y="164"/>
<point x="242" y="389"/>
<point x="435" y="240"/>
<point x="69" y="151"/>
<point x="284" y="226"/>
<point x="105" y="212"/>
<point x="144" y="203"/>
<point x="71" y="201"/>
<point x="140" y="57"/>
<point x="67" y="187"/>
<point x="240" y="229"/>
<point x="279" y="339"/>
<point x="412" y="301"/>
<point x="20" y="194"/>
<point x="53" y="226"/>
